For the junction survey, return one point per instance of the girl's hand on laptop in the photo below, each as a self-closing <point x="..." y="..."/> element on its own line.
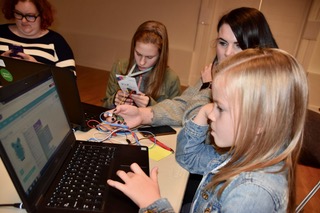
<point x="140" y="188"/>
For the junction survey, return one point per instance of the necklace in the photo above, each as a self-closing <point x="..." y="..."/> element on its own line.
<point x="139" y="72"/>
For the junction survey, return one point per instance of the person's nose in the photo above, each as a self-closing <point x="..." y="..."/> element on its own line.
<point x="24" y="19"/>
<point x="229" y="51"/>
<point x="142" y="60"/>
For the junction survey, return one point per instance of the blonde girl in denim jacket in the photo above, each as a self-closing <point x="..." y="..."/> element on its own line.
<point x="258" y="112"/>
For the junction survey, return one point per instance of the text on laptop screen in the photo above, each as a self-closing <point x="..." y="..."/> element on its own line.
<point x="30" y="142"/>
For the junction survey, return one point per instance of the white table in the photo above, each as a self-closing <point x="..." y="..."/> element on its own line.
<point x="172" y="177"/>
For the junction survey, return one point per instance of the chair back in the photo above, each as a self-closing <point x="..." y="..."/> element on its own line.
<point x="310" y="152"/>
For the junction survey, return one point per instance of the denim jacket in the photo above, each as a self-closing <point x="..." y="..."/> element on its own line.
<point x="259" y="191"/>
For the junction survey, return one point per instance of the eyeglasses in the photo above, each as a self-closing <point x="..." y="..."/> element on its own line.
<point x="29" y="18"/>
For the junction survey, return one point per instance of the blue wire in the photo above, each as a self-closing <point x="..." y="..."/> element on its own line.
<point x="116" y="125"/>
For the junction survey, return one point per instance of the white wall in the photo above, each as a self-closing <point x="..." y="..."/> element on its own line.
<point x="309" y="54"/>
<point x="100" y="31"/>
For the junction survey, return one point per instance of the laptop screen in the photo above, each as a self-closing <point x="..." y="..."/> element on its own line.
<point x="30" y="143"/>
<point x="13" y="71"/>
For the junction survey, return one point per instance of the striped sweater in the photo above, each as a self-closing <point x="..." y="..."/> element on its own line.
<point x="51" y="48"/>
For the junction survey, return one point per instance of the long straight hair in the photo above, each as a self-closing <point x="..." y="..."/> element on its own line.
<point x="250" y="28"/>
<point x="269" y="89"/>
<point x="155" y="33"/>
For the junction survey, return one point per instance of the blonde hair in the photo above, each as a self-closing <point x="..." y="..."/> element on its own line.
<point x="269" y="89"/>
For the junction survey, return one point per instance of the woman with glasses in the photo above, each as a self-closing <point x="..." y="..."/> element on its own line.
<point x="29" y="37"/>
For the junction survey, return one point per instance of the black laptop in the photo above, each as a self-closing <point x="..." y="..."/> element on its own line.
<point x="78" y="113"/>
<point x="51" y="171"/>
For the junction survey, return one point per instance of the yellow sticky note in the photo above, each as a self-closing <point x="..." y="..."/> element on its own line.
<point x="157" y="153"/>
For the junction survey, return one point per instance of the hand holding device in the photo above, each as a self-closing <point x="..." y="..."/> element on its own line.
<point x="114" y="120"/>
<point x="122" y="98"/>
<point x="15" y="49"/>
<point x="141" y="100"/>
<point x="131" y="114"/>
<point x="127" y="84"/>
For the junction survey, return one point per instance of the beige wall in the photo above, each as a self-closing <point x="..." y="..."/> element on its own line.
<point x="100" y="31"/>
<point x="310" y="46"/>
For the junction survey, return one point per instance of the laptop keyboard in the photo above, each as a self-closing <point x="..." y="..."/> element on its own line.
<point x="83" y="183"/>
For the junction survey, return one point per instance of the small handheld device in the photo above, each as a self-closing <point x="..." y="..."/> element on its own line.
<point x="115" y="120"/>
<point x="156" y="130"/>
<point x="15" y="50"/>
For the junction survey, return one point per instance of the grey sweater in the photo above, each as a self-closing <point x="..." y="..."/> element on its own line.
<point x="176" y="111"/>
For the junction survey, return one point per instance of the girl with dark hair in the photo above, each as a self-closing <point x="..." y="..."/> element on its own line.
<point x="250" y="29"/>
